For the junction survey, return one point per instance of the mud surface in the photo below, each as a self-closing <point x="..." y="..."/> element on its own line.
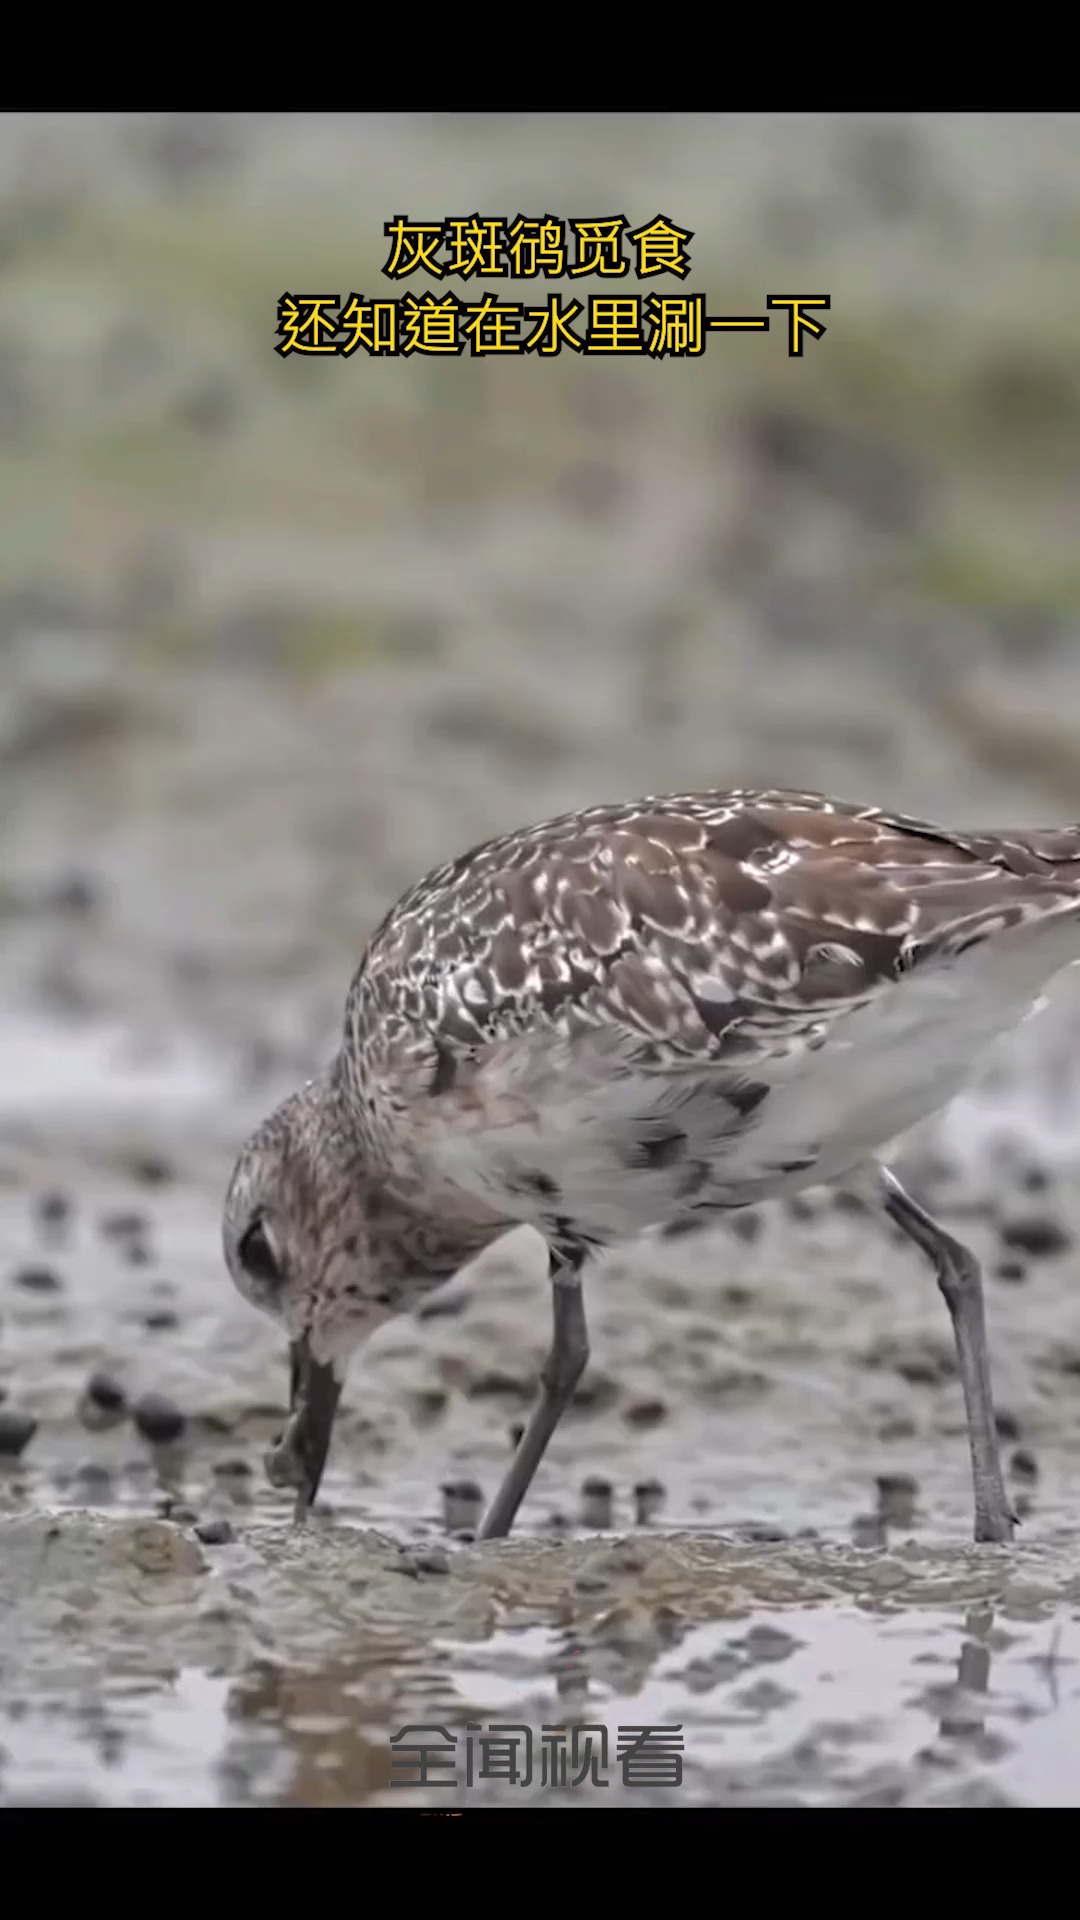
<point x="266" y="657"/>
<point x="794" y="1591"/>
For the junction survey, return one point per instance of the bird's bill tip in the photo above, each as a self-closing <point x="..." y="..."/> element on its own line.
<point x="300" y="1456"/>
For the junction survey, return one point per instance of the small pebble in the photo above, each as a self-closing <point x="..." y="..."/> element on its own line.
<point x="431" y="1560"/>
<point x="645" y="1413"/>
<point x="136" y="1253"/>
<point x="106" y="1396"/>
<point x="1038" y="1235"/>
<point x="1013" y="1272"/>
<point x="898" y="1426"/>
<point x="762" y="1533"/>
<point x="214" y="1533"/>
<point x="845" y="1202"/>
<point x="150" y="1170"/>
<point x="161" y="1320"/>
<point x="1035" y="1180"/>
<point x="896" y="1498"/>
<point x="868" y="1530"/>
<point x="597" y="1509"/>
<point x="1024" y="1464"/>
<point x="649" y="1498"/>
<point x="463" y="1505"/>
<point x="53" y="1209"/>
<point x="123" y="1226"/>
<point x="16" y="1432"/>
<point x="765" y="1642"/>
<point x="94" y="1478"/>
<point x="37" y="1280"/>
<point x="75" y="893"/>
<point x="1008" y="1426"/>
<point x="238" y="1469"/>
<point x="157" y="1419"/>
<point x="800" y="1208"/>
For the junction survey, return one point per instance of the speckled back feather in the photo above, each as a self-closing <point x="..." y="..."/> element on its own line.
<point x="622" y="987"/>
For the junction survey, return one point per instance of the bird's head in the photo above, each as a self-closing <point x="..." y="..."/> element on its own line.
<point x="298" y="1245"/>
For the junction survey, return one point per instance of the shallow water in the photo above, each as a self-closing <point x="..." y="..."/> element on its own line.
<point x="296" y="1673"/>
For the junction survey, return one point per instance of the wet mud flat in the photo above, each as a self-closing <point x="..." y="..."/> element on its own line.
<point x="743" y="1575"/>
<point x="144" y="1667"/>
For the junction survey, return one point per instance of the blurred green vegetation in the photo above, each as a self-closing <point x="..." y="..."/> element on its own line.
<point x="140" y="389"/>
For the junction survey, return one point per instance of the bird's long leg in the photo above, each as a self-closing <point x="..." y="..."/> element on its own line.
<point x="960" y="1281"/>
<point x="563" y="1368"/>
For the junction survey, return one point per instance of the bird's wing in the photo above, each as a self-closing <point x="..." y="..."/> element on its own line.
<point x="609" y="1000"/>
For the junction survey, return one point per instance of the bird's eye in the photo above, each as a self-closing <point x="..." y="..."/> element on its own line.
<point x="257" y="1256"/>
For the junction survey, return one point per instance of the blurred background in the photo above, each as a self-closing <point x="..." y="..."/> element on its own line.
<point x="277" y="634"/>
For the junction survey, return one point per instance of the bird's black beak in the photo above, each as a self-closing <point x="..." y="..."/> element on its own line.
<point x="299" y="1457"/>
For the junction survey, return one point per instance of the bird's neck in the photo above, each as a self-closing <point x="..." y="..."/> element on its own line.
<point x="417" y="1222"/>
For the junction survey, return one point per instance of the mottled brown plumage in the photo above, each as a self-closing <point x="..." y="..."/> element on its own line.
<point x="635" y="1017"/>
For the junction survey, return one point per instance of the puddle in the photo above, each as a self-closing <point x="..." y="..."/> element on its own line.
<point x="139" y="1668"/>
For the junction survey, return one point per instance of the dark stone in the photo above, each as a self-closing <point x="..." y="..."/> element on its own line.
<point x="1008" y="1426"/>
<point x="233" y="1469"/>
<point x="868" y="1530"/>
<point x="645" y="1413"/>
<point x="649" y="1497"/>
<point x="896" y="1498"/>
<point x="1013" y="1272"/>
<point x="93" y="1474"/>
<point x="430" y="1560"/>
<point x="1024" y="1464"/>
<point x="123" y="1225"/>
<point x="16" y="1432"/>
<point x="413" y="1561"/>
<point x="214" y="1533"/>
<point x="74" y="894"/>
<point x="157" y="1419"/>
<point x="106" y="1393"/>
<point x="462" y="1490"/>
<point x="161" y="1320"/>
<point x="37" y="1280"/>
<point x="897" y="1485"/>
<point x="151" y="1170"/>
<point x="53" y="1209"/>
<point x="1039" y="1235"/>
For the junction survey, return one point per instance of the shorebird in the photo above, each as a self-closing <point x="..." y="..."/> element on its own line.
<point x="635" y="1017"/>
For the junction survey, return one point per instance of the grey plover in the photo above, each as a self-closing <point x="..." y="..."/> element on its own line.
<point x="637" y="1017"/>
